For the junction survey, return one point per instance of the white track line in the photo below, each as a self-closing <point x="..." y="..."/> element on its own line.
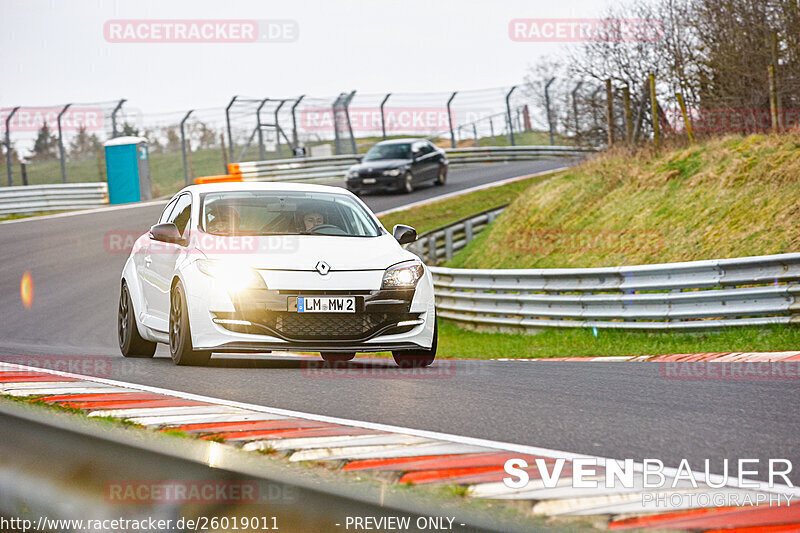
<point x="434" y="435"/>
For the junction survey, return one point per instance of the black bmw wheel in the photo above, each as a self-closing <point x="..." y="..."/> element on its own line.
<point x="408" y="183"/>
<point x="180" y="334"/>
<point x="441" y="178"/>
<point x="131" y="344"/>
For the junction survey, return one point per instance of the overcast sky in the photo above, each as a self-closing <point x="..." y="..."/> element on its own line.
<point x="55" y="52"/>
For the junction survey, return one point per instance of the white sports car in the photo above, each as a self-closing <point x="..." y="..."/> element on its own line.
<point x="256" y="267"/>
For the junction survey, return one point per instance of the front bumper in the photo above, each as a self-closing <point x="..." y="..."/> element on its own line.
<point x="267" y="320"/>
<point x="381" y="183"/>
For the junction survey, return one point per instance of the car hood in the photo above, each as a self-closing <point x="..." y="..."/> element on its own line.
<point x="303" y="252"/>
<point x="380" y="164"/>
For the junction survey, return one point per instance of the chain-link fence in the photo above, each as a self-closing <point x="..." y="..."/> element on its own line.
<point x="199" y="142"/>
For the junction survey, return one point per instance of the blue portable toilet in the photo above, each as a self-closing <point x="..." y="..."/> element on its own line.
<point x="128" y="170"/>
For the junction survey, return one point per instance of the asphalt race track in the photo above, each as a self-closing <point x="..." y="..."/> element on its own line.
<point x="621" y="410"/>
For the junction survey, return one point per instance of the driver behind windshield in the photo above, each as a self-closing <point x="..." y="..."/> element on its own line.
<point x="312" y="219"/>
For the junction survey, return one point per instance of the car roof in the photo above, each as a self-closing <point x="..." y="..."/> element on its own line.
<point x="233" y="186"/>
<point x="402" y="141"/>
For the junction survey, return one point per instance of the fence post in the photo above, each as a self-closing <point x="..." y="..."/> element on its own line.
<point x="773" y="99"/>
<point x="349" y="125"/>
<point x="183" y="146"/>
<point x="654" y="112"/>
<point x="547" y="109"/>
<point x="61" y="156"/>
<point x="450" y="120"/>
<point x="626" y="103"/>
<point x="24" y="171"/>
<point x="224" y="152"/>
<point x="491" y="130"/>
<point x="508" y="116"/>
<point x="610" y="112"/>
<point x="686" y="122"/>
<point x="277" y="128"/>
<point x="295" y="139"/>
<point x="261" y="155"/>
<point x="228" y="125"/>
<point x="114" y="118"/>
<point x="383" y="118"/>
<point x="8" y="146"/>
<point x="575" y="112"/>
<point x="774" y="52"/>
<point x="637" y="127"/>
<point x="475" y="133"/>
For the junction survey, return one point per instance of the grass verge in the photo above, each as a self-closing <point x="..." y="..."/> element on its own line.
<point x="456" y="342"/>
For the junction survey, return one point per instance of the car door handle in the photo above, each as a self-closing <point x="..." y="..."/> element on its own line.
<point x="148" y="260"/>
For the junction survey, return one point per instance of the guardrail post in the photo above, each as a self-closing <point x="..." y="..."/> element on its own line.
<point x="383" y="118"/>
<point x="450" y="120"/>
<point x="261" y="155"/>
<point x="8" y="146"/>
<point x="277" y="128"/>
<point x="61" y="156"/>
<point x="183" y="146"/>
<point x="468" y="233"/>
<point x="508" y="116"/>
<point x="448" y="243"/>
<point x="228" y="126"/>
<point x="432" y="257"/>
<point x="114" y="118"/>
<point x="295" y="139"/>
<point x="547" y="106"/>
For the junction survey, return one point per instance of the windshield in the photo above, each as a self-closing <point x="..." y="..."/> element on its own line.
<point x="388" y="151"/>
<point x="285" y="213"/>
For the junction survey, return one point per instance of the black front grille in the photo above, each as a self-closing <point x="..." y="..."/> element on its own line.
<point x="327" y="326"/>
<point x="321" y="326"/>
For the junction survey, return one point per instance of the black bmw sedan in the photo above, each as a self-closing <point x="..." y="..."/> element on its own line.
<point x="398" y="165"/>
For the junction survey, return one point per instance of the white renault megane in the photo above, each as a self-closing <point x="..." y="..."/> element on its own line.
<point x="257" y="267"/>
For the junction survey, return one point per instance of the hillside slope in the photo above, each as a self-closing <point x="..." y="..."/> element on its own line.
<point x="727" y="197"/>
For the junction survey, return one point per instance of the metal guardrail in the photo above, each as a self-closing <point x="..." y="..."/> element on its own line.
<point x="59" y="197"/>
<point x="690" y="295"/>
<point x="333" y="168"/>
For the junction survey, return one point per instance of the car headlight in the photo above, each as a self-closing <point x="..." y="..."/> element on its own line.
<point x="230" y="276"/>
<point x="392" y="172"/>
<point x="402" y="276"/>
<point x="352" y="174"/>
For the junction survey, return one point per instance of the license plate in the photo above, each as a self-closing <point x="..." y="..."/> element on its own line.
<point x="368" y="181"/>
<point x="326" y="304"/>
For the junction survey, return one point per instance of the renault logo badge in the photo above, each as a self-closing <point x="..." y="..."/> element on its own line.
<point x="323" y="268"/>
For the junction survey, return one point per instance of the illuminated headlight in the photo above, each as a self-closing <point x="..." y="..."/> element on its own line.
<point x="392" y="172"/>
<point x="402" y="276"/>
<point x="230" y="276"/>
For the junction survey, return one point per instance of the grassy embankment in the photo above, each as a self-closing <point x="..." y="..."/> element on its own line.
<point x="728" y="197"/>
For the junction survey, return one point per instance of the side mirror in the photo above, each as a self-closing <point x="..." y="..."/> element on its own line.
<point x="167" y="232"/>
<point x="404" y="234"/>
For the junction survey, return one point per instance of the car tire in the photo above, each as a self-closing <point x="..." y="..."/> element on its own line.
<point x="441" y="178"/>
<point x="131" y="344"/>
<point x="408" y="183"/>
<point x="418" y="358"/>
<point x="180" y="334"/>
<point x="337" y="357"/>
